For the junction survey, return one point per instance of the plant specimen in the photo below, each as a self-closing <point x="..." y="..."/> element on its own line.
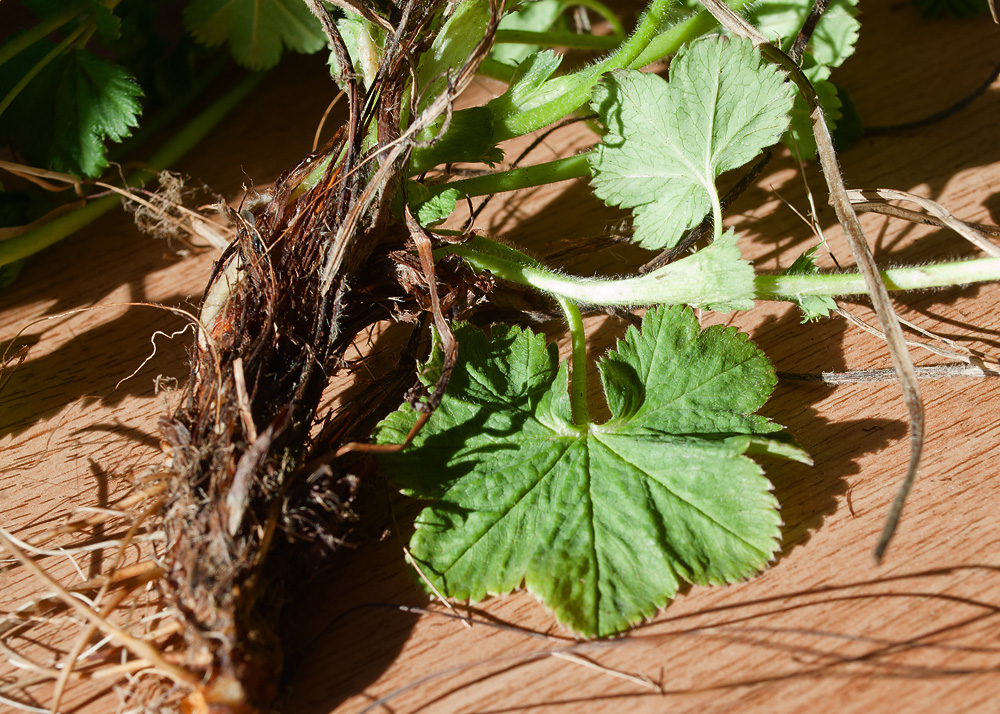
<point x="603" y="518"/>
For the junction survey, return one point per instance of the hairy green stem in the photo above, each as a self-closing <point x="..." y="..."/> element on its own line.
<point x="515" y="179"/>
<point x="558" y="39"/>
<point x="690" y="281"/>
<point x="578" y="362"/>
<point x="669" y="41"/>
<point x="577" y="93"/>
<point x="694" y="280"/>
<point x="936" y="275"/>
<point x="55" y="230"/>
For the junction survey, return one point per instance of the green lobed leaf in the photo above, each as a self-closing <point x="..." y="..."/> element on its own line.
<point x="603" y="522"/>
<point x="257" y="30"/>
<point x="667" y="142"/>
<point x="96" y="100"/>
<point x="72" y="107"/>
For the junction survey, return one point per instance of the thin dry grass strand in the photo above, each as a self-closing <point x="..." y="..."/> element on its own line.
<point x="21" y="706"/>
<point x="70" y="313"/>
<point x="218" y="236"/>
<point x="38" y="177"/>
<point x="152" y="340"/>
<point x="136" y="646"/>
<point x="408" y="557"/>
<point x="972" y="358"/>
<point x="966" y="230"/>
<point x="243" y="399"/>
<point x="77" y="649"/>
<point x="859" y="376"/>
<point x="326" y="115"/>
<point x="98" y="516"/>
<point x="638" y="679"/>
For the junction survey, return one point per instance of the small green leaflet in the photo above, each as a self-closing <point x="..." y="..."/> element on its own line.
<point x="256" y="30"/>
<point x="63" y="118"/>
<point x="603" y="522"/>
<point x="528" y="87"/>
<point x="437" y="208"/>
<point x="814" y="307"/>
<point x="667" y="142"/>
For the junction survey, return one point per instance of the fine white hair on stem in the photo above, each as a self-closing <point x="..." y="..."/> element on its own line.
<point x="848" y="218"/>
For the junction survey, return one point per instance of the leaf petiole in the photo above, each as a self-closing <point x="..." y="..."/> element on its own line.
<point x="577" y="92"/>
<point x="578" y="362"/>
<point x="670" y="41"/>
<point x="714" y="277"/>
<point x="570" y="167"/>
<point x="41" y="30"/>
<point x="41" y="64"/>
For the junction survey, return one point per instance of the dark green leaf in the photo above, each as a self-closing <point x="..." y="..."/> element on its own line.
<point x="66" y="114"/>
<point x="603" y="522"/>
<point x="257" y="30"/>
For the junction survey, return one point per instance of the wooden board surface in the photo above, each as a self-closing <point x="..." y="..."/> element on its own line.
<point x="824" y="629"/>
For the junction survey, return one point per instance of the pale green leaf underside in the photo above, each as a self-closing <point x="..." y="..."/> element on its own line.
<point x="667" y="142"/>
<point x="603" y="522"/>
<point x="256" y="30"/>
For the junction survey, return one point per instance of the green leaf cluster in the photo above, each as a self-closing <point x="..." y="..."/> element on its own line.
<point x="667" y="142"/>
<point x="602" y="521"/>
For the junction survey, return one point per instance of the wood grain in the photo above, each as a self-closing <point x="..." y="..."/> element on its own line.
<point x="823" y="630"/>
